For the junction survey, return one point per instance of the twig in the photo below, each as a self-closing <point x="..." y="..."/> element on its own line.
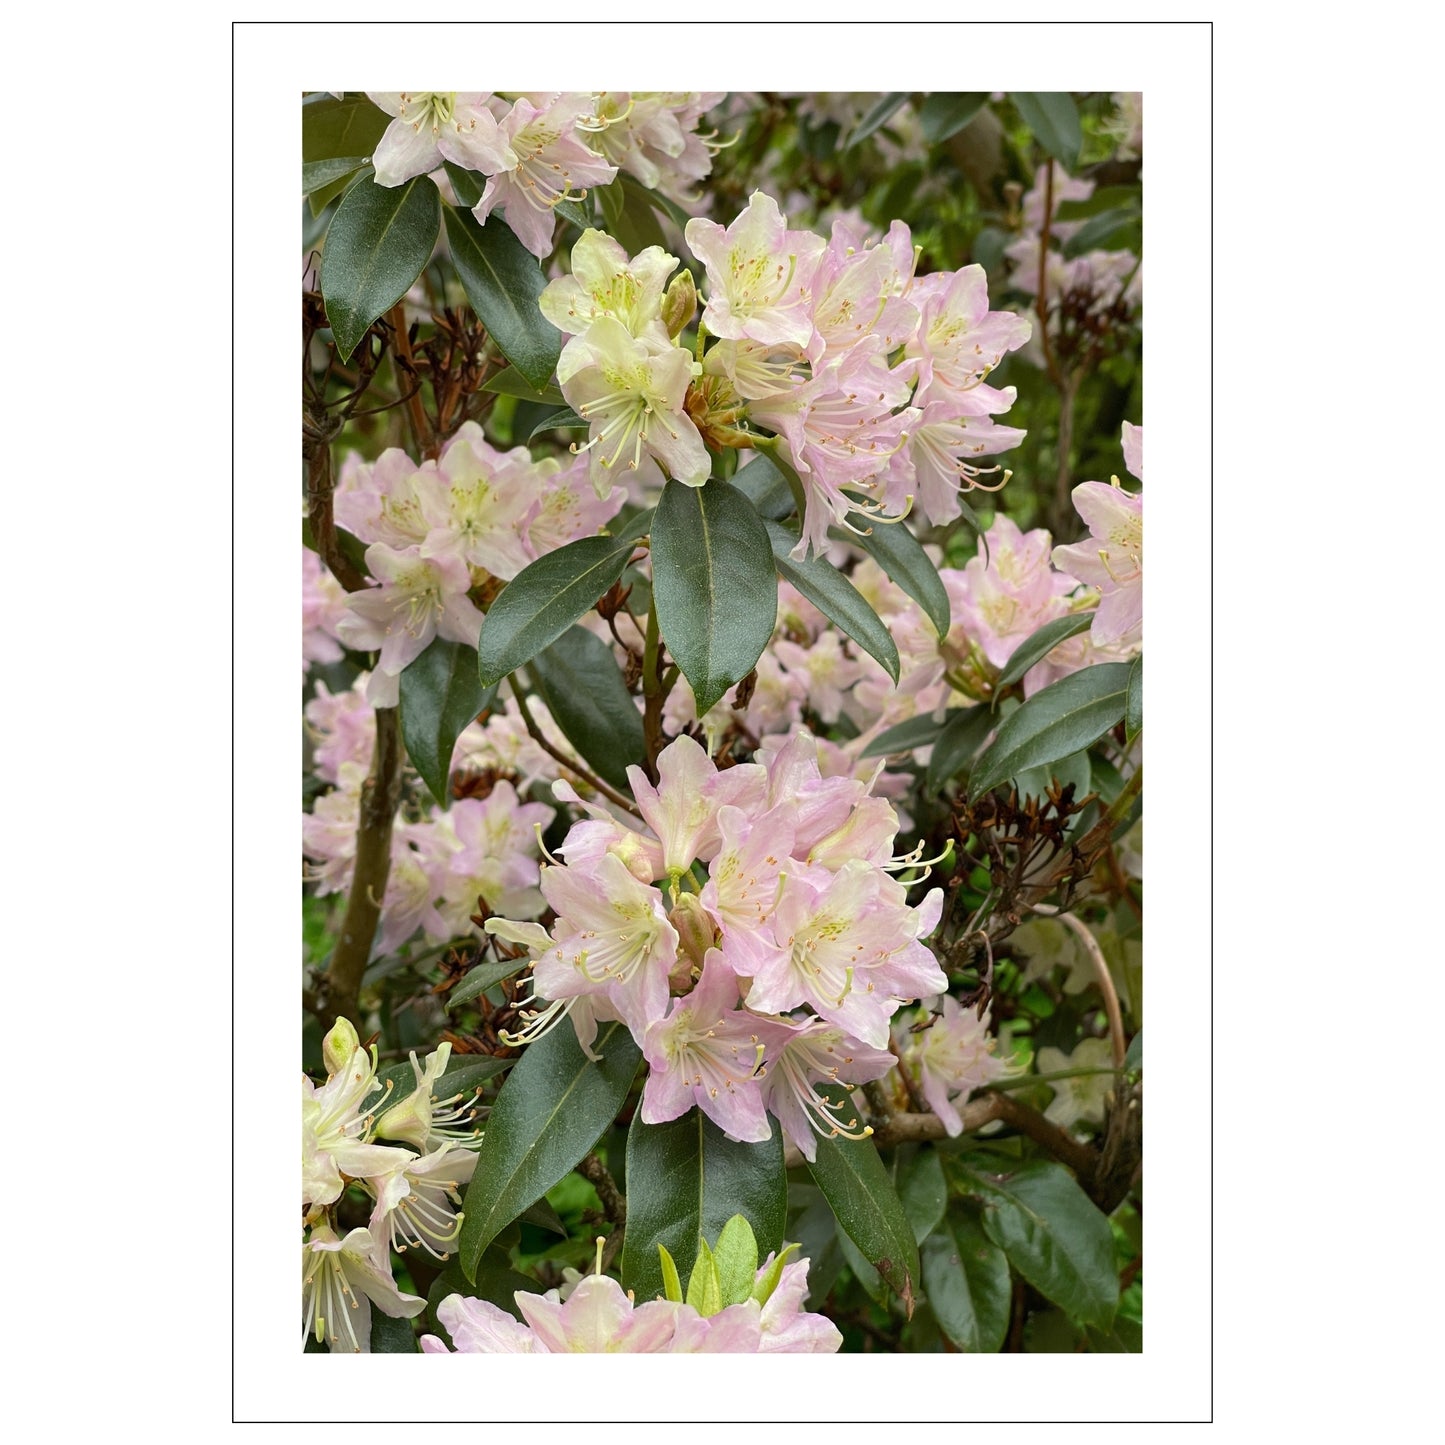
<point x="380" y="795"/>
<point x="404" y="361"/>
<point x="614" y="1204"/>
<point x="571" y="764"/>
<point x="320" y="487"/>
<point x="1101" y="971"/>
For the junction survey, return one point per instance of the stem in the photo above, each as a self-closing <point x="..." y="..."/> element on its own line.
<point x="573" y="765"/>
<point x="320" y="487"/>
<point x="654" y="693"/>
<point x="1101" y="971"/>
<point x="1068" y="391"/>
<point x="614" y="1203"/>
<point x="380" y="795"/>
<point x="402" y="359"/>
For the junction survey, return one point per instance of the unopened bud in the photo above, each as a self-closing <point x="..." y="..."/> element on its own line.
<point x="695" y="931"/>
<point x="679" y="304"/>
<point x="339" y="1045"/>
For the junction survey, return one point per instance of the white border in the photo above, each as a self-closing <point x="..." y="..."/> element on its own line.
<point x="1171" y="1380"/>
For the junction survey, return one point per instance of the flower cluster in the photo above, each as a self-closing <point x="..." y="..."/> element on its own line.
<point x="1112" y="558"/>
<point x="413" y="1183"/>
<point x="753" y="939"/>
<point x="865" y="381"/>
<point x="544" y="147"/>
<point x="437" y="529"/>
<point x="443" y="864"/>
<point x="598" y="1317"/>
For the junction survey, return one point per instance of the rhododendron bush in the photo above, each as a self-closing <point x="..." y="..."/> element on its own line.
<point x="722" y="582"/>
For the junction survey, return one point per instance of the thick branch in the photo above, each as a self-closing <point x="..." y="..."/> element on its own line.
<point x="380" y="795"/>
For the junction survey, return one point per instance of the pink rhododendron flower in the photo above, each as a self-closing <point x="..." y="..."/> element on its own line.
<point x="605" y="281"/>
<point x="950" y="1059"/>
<point x="1113" y="558"/>
<point x="340" y="1280"/>
<point x="323" y="601"/>
<point x="432" y="126"/>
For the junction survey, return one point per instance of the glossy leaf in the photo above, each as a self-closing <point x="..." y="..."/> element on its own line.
<point x="323" y="196"/>
<point x="377" y="243"/>
<point x="440" y="695"/>
<point x="960" y="740"/>
<point x="1066" y="717"/>
<point x="881" y="112"/>
<point x="319" y="175"/>
<point x="713" y="584"/>
<point x="966" y="1277"/>
<point x="503" y="280"/>
<point x="901" y="556"/>
<point x="481" y="976"/>
<point x="1054" y="119"/>
<point x="563" y="418"/>
<point x="1134" y="702"/>
<point x="835" y="597"/>
<point x="392" y="1336"/>
<point x="924" y="1192"/>
<point x="1117" y="230"/>
<point x="762" y="482"/>
<point x="704" y="1284"/>
<point x="946" y="112"/>
<point x="544" y="599"/>
<point x="467" y="185"/>
<point x="351" y="126"/>
<point x="1051" y="1231"/>
<point x="686" y="1179"/>
<point x="917" y="732"/>
<point x="553" y="1108"/>
<point x="865" y="1204"/>
<point x="1038" y="645"/>
<point x="510" y="382"/>
<point x="579" y="681"/>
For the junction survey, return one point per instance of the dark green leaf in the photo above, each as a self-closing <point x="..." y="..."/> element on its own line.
<point x="917" y="732"/>
<point x="960" y="739"/>
<point x="553" y="1108"/>
<point x="544" y="599"/>
<point x="1054" y="119"/>
<point x="392" y="1336"/>
<point x="713" y="584"/>
<point x="378" y="242"/>
<point x="923" y="1192"/>
<point x="321" y="198"/>
<point x="628" y="215"/>
<point x="318" y="174"/>
<point x="1066" y="717"/>
<point x="638" y="525"/>
<point x="898" y="552"/>
<point x="440" y="695"/>
<point x="1037" y="646"/>
<point x="686" y="1179"/>
<point x="1134" y="703"/>
<point x="865" y="1204"/>
<point x="481" y="976"/>
<point x="503" y="280"/>
<point x="510" y="382"/>
<point x="946" y="112"/>
<point x="544" y="1217"/>
<point x="466" y="185"/>
<point x="835" y="597"/>
<point x="878" y="115"/>
<point x="573" y="214"/>
<point x="564" y="418"/>
<point x="1120" y="230"/>
<point x="580" y="682"/>
<point x="966" y="1277"/>
<point x="348" y="127"/>
<point x="764" y="485"/>
<point x="1051" y="1231"/>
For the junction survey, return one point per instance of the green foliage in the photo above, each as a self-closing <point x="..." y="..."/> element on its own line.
<point x="713" y="583"/>
<point x="686" y="1179"/>
<point x="544" y="599"/>
<point x="440" y="695"/>
<point x="553" y="1108"/>
<point x="376" y="246"/>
